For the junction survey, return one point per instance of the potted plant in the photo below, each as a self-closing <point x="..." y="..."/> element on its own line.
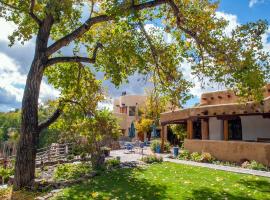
<point x="106" y="151"/>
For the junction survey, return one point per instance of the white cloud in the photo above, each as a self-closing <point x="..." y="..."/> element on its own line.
<point x="6" y="29"/>
<point x="232" y="19"/>
<point x="253" y="2"/>
<point x="151" y="28"/>
<point x="13" y="81"/>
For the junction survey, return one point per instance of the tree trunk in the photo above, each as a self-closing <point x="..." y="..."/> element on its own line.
<point x="27" y="146"/>
<point x="26" y="153"/>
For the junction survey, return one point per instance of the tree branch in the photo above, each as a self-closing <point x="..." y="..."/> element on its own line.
<point x="9" y="5"/>
<point x="77" y="33"/>
<point x="31" y="12"/>
<point x="56" y="60"/>
<point x="50" y="120"/>
<point x="79" y="59"/>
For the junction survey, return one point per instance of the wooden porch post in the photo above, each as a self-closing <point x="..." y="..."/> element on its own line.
<point x="226" y="129"/>
<point x="205" y="129"/>
<point x="189" y="129"/>
<point x="162" y="137"/>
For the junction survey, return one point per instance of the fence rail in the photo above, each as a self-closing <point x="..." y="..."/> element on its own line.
<point x="44" y="155"/>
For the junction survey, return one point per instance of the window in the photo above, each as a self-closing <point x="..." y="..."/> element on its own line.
<point x="235" y="129"/>
<point x="197" y="131"/>
<point x="123" y="110"/>
<point x="132" y="110"/>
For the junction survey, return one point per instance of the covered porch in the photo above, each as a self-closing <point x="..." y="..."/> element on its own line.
<point x="230" y="132"/>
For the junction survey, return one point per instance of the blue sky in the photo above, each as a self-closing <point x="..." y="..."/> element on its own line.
<point x="15" y="61"/>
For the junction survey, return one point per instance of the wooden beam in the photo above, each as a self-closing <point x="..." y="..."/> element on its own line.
<point x="189" y="129"/>
<point x="205" y="129"/>
<point x="226" y="129"/>
<point x="162" y="138"/>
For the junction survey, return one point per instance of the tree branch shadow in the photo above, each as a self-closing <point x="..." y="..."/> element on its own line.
<point x="120" y="184"/>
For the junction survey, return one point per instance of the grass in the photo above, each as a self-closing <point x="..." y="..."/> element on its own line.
<point x="8" y="194"/>
<point x="170" y="181"/>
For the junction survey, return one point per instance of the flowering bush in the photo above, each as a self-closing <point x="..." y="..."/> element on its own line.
<point x="184" y="155"/>
<point x="152" y="159"/>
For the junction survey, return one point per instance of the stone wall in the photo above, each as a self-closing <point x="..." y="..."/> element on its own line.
<point x="234" y="151"/>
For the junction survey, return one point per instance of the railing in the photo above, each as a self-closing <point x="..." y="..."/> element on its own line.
<point x="52" y="153"/>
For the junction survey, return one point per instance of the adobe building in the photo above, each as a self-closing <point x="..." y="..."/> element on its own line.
<point x="126" y="108"/>
<point x="225" y="127"/>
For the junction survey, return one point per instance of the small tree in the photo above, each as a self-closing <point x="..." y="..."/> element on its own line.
<point x="180" y="131"/>
<point x="143" y="126"/>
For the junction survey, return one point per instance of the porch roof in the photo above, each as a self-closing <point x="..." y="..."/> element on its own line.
<point x="217" y="110"/>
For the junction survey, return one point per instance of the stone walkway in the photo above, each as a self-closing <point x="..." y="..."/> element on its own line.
<point x="135" y="156"/>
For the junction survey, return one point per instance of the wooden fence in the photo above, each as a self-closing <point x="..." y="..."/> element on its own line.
<point x="52" y="153"/>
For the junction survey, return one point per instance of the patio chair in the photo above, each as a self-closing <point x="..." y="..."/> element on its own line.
<point x="122" y="144"/>
<point x="129" y="148"/>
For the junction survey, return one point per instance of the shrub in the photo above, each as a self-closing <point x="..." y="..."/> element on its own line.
<point x="156" y="143"/>
<point x="184" y="155"/>
<point x="112" y="163"/>
<point x="70" y="157"/>
<point x="152" y="159"/>
<point x="195" y="156"/>
<point x="254" y="165"/>
<point x="5" y="173"/>
<point x="71" y="171"/>
<point x="207" y="157"/>
<point x="83" y="155"/>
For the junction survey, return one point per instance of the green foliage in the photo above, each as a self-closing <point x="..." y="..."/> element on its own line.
<point x="195" y="156"/>
<point x="198" y="37"/>
<point x="112" y="163"/>
<point x="156" y="143"/>
<point x="179" y="130"/>
<point x="70" y="157"/>
<point x="254" y="165"/>
<point x="71" y="171"/>
<point x="9" y="124"/>
<point x="184" y="155"/>
<point x="152" y="159"/>
<point x="5" y="173"/>
<point x="143" y="125"/>
<point x="156" y="103"/>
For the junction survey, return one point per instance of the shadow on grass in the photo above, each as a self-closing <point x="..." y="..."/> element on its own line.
<point x="118" y="184"/>
<point x="208" y="193"/>
<point x="260" y="185"/>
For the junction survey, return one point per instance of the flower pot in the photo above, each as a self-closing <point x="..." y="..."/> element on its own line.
<point x="158" y="149"/>
<point x="175" y="151"/>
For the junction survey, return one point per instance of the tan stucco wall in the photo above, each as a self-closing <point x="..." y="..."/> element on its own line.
<point x="254" y="127"/>
<point x="231" y="150"/>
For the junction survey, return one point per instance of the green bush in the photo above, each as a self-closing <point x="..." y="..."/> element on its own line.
<point x="70" y="157"/>
<point x="156" y="143"/>
<point x="152" y="159"/>
<point x="255" y="165"/>
<point x="71" y="171"/>
<point x="195" y="156"/>
<point x="184" y="155"/>
<point x="5" y="173"/>
<point x="112" y="163"/>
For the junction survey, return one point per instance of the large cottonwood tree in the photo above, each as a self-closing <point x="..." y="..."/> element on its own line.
<point x="117" y="42"/>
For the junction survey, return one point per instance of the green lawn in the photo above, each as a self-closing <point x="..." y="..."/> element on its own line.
<point x="170" y="181"/>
